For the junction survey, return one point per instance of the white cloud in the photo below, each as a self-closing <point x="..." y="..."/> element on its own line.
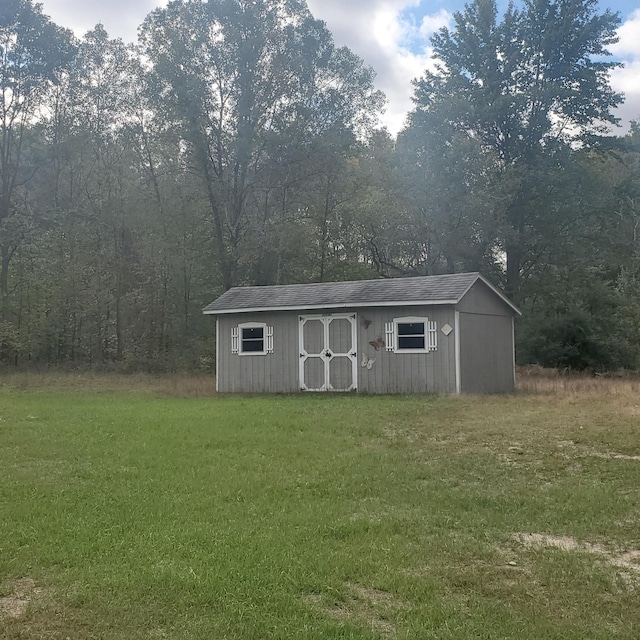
<point x="629" y="38"/>
<point x="380" y="32"/>
<point x="627" y="78"/>
<point x="435" y="22"/>
<point x="120" y="18"/>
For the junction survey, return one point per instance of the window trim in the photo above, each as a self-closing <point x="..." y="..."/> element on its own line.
<point x="429" y="335"/>
<point x="237" y="339"/>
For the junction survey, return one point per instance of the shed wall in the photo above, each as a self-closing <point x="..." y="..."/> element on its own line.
<point x="405" y="372"/>
<point x="486" y="342"/>
<point x="390" y="373"/>
<point x="486" y="353"/>
<point x="275" y="372"/>
<point x="481" y="299"/>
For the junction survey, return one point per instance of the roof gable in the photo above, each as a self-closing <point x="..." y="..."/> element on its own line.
<point x="419" y="290"/>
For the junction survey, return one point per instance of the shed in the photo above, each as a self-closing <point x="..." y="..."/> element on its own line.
<point x="440" y="334"/>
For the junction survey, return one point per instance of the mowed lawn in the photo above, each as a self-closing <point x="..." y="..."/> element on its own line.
<point x="129" y="514"/>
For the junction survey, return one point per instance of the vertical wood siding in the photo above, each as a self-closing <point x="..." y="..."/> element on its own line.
<point x="486" y="354"/>
<point x="270" y="373"/>
<point x="481" y="299"/>
<point x="486" y="343"/>
<point x="486" y="350"/>
<point x="391" y="372"/>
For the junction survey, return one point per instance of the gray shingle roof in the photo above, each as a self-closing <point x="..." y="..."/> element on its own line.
<point x="444" y="289"/>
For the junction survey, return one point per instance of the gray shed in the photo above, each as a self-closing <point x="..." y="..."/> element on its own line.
<point x="445" y="334"/>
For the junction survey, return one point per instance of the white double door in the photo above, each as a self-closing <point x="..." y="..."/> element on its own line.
<point x="328" y="357"/>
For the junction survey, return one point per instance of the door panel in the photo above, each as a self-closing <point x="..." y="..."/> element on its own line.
<point x="340" y="373"/>
<point x="340" y="339"/>
<point x="313" y="336"/>
<point x="328" y="358"/>
<point x="314" y="377"/>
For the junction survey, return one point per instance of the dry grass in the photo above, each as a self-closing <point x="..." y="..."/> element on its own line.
<point x="176" y="385"/>
<point x="530" y="380"/>
<point x="536" y="380"/>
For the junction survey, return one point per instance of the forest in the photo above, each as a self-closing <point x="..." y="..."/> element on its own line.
<point x="236" y="144"/>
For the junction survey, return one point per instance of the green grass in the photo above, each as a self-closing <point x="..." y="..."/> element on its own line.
<point x="129" y="515"/>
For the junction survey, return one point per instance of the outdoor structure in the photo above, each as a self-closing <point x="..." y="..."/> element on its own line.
<point x="439" y="334"/>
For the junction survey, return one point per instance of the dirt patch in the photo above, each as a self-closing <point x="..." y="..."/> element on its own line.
<point x="362" y="605"/>
<point x="15" y="604"/>
<point x="628" y="560"/>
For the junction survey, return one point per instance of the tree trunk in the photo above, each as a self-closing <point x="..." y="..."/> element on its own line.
<point x="514" y="263"/>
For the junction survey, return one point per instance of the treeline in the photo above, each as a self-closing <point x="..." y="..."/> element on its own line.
<point x="236" y="144"/>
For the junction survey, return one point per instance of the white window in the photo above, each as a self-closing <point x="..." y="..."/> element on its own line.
<point x="252" y="339"/>
<point x="411" y="335"/>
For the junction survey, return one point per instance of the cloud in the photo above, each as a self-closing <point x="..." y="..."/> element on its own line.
<point x="628" y="45"/>
<point x="120" y="18"/>
<point x="433" y="23"/>
<point x="627" y="78"/>
<point x="392" y="38"/>
<point x="627" y="81"/>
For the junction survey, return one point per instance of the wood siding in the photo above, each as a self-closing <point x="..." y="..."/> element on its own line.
<point x="405" y="372"/>
<point x="481" y="327"/>
<point x="275" y="372"/>
<point x="486" y="342"/>
<point x="390" y="373"/>
<point x="481" y="299"/>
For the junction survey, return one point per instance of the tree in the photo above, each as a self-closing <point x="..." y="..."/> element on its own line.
<point x="580" y="302"/>
<point x="522" y="89"/>
<point x="248" y="86"/>
<point x="33" y="51"/>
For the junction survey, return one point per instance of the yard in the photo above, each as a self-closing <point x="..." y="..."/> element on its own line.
<point x="136" y="508"/>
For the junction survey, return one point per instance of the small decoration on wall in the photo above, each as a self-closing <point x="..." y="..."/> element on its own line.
<point x="367" y="361"/>
<point x="446" y="329"/>
<point x="377" y="344"/>
<point x="365" y="323"/>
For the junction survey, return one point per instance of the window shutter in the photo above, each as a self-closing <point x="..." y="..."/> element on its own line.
<point x="268" y="347"/>
<point x="390" y="335"/>
<point x="234" y="339"/>
<point x="432" y="336"/>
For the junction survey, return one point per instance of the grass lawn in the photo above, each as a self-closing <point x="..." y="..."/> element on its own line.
<point x="131" y="513"/>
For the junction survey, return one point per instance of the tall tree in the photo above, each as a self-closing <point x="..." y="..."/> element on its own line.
<point x="522" y="88"/>
<point x="246" y="84"/>
<point x="33" y="50"/>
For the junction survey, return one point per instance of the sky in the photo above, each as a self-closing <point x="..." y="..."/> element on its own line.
<point x="391" y="36"/>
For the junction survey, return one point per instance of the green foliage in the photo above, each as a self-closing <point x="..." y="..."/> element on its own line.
<point x="520" y="89"/>
<point x="264" y="103"/>
<point x="238" y="145"/>
<point x="33" y="54"/>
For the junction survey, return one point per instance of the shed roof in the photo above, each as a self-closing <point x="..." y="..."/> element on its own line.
<point x="419" y="290"/>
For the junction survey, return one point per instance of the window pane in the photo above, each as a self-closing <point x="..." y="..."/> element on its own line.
<point x="252" y="345"/>
<point x="411" y="329"/>
<point x="410" y="342"/>
<point x="252" y="333"/>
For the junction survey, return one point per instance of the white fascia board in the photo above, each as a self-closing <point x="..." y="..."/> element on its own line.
<point x="343" y="305"/>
